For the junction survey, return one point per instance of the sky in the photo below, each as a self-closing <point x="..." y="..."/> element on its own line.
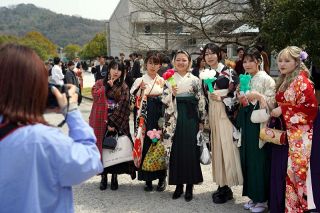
<point x="92" y="9"/>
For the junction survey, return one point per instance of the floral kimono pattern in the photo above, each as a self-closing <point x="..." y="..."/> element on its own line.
<point x="188" y="84"/>
<point x="154" y="87"/>
<point x="265" y="85"/>
<point x="299" y="109"/>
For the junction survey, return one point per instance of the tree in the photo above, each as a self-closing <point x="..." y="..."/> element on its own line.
<point x="72" y="51"/>
<point x="36" y="41"/>
<point x="209" y="20"/>
<point x="39" y="43"/>
<point x="96" y="47"/>
<point x="8" y="39"/>
<point x="293" y="22"/>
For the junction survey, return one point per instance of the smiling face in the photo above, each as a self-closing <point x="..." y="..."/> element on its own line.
<point x="251" y="65"/>
<point x="182" y="62"/>
<point x="211" y="58"/>
<point x="286" y="63"/>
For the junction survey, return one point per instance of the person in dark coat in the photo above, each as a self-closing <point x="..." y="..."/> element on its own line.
<point x="100" y="71"/>
<point x="135" y="71"/>
<point x="71" y="78"/>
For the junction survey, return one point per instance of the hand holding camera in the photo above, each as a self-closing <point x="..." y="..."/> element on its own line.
<point x="59" y="95"/>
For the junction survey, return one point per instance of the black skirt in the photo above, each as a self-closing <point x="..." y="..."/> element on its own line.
<point x="185" y="153"/>
<point x="154" y="112"/>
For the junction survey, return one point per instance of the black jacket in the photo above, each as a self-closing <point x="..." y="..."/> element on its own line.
<point x="135" y="72"/>
<point x="99" y="74"/>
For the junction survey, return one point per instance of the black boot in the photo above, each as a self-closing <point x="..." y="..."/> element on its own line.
<point x="215" y="193"/>
<point x="114" y="182"/>
<point x="223" y="196"/>
<point x="178" y="192"/>
<point x="133" y="174"/>
<point x="148" y="187"/>
<point x="162" y="184"/>
<point x="189" y="192"/>
<point x="104" y="182"/>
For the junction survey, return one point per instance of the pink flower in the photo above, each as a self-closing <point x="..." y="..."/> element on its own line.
<point x="154" y="134"/>
<point x="168" y="74"/>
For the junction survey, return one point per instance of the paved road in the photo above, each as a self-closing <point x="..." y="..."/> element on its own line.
<point x="130" y="196"/>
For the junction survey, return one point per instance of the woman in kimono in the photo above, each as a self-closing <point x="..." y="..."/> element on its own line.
<point x="253" y="153"/>
<point x="116" y="94"/>
<point x="184" y="116"/>
<point x="150" y="85"/>
<point x="226" y="168"/>
<point x="298" y="105"/>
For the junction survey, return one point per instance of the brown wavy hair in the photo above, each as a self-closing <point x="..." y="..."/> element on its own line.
<point x="23" y="85"/>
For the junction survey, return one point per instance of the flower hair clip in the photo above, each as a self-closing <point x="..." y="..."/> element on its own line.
<point x="303" y="55"/>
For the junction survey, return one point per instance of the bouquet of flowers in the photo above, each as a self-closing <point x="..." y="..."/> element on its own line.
<point x="168" y="76"/>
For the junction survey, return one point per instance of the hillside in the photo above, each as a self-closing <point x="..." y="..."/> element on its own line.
<point x="60" y="29"/>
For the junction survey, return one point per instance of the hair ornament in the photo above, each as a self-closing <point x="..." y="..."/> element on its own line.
<point x="303" y="55"/>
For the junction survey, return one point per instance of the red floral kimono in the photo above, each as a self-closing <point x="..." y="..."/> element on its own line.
<point x="299" y="109"/>
<point x="99" y="112"/>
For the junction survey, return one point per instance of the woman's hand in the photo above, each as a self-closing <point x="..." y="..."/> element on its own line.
<point x="142" y="85"/>
<point x="111" y="129"/>
<point x="174" y="90"/>
<point x="62" y="98"/>
<point x="254" y="95"/>
<point x="276" y="112"/>
<point x="110" y="82"/>
<point x="201" y="126"/>
<point x="215" y="97"/>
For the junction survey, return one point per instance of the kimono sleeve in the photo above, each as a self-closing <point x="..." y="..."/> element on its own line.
<point x="98" y="90"/>
<point x="301" y="106"/>
<point x="201" y="101"/>
<point x="269" y="93"/>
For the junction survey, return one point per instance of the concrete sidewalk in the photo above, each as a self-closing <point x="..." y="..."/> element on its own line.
<point x="130" y="197"/>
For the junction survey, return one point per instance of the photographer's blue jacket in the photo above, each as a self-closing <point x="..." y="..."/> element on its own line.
<point x="39" y="164"/>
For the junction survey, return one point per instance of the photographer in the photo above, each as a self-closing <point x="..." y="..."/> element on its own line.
<point x="38" y="163"/>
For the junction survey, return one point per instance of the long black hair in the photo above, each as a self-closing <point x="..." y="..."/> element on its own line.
<point x="114" y="64"/>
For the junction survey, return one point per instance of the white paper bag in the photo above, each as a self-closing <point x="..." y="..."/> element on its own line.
<point x="122" y="152"/>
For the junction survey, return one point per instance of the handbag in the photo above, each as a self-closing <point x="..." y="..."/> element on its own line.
<point x="109" y="142"/>
<point x="272" y="135"/>
<point x="122" y="152"/>
<point x="205" y="157"/>
<point x="259" y="115"/>
<point x="155" y="159"/>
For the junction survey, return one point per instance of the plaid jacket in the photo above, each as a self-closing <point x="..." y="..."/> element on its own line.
<point x="99" y="112"/>
<point x="120" y="115"/>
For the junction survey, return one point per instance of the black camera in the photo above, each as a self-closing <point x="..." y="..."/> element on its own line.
<point x="52" y="101"/>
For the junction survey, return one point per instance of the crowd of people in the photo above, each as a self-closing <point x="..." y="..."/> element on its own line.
<point x="274" y="177"/>
<point x="170" y="96"/>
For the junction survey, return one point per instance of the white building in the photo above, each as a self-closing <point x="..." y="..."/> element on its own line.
<point x="130" y="30"/>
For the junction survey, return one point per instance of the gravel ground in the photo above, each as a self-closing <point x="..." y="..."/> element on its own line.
<point x="130" y="197"/>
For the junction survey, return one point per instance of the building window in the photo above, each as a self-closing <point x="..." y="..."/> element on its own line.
<point x="179" y="29"/>
<point x="147" y="29"/>
<point x="192" y="42"/>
